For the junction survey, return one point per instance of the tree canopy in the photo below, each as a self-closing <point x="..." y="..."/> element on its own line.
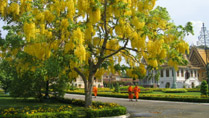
<point x="90" y="37"/>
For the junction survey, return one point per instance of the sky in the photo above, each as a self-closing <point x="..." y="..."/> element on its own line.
<point x="181" y="12"/>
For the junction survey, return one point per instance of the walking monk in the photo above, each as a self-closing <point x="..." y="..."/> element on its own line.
<point x="130" y="95"/>
<point x="95" y="91"/>
<point x="136" y="92"/>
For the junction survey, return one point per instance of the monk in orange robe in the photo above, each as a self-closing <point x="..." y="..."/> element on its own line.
<point x="130" y="95"/>
<point x="95" y="91"/>
<point x="136" y="92"/>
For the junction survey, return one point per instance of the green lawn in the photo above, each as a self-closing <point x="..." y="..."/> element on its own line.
<point x="187" y="93"/>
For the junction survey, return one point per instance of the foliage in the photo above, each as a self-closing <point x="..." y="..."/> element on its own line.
<point x="7" y="74"/>
<point x="193" y="89"/>
<point x="98" y="109"/>
<point x="59" y="86"/>
<point x="27" y="86"/>
<point x="72" y="87"/>
<point x="175" y="90"/>
<point x="204" y="88"/>
<point x="125" y="88"/>
<point x="117" y="88"/>
<point x="115" y="111"/>
<point x="65" y="110"/>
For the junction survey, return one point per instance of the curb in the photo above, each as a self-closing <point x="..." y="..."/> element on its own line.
<point x="122" y="116"/>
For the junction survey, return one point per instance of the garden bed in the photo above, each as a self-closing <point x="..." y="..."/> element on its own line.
<point x="55" y="107"/>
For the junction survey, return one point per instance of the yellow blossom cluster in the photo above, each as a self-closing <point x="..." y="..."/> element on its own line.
<point x="30" y="31"/>
<point x="112" y="45"/>
<point x="3" y="5"/>
<point x="182" y="47"/>
<point x="14" y="9"/>
<point x="99" y="73"/>
<point x="39" y="50"/>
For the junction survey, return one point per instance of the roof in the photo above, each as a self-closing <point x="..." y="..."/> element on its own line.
<point x="198" y="56"/>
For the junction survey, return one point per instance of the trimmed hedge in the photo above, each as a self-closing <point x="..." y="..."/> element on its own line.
<point x="116" y="111"/>
<point x="125" y="88"/>
<point x="175" y="91"/>
<point x="193" y="89"/>
<point x="182" y="98"/>
<point x="141" y="91"/>
<point x="98" y="109"/>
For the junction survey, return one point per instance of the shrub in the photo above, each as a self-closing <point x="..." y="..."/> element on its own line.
<point x="104" y="90"/>
<point x="115" y="111"/>
<point x="204" y="88"/>
<point x="141" y="91"/>
<point x="98" y="109"/>
<point x="175" y="90"/>
<point x="117" y="88"/>
<point x="125" y="88"/>
<point x="193" y="89"/>
<point x="158" y="89"/>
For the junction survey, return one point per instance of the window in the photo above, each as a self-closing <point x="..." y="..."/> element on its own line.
<point x="182" y="72"/>
<point x="195" y="73"/>
<point x="177" y="73"/>
<point x="187" y="75"/>
<point x="161" y="73"/>
<point x="167" y="72"/>
<point x="191" y="73"/>
<point x="167" y="85"/>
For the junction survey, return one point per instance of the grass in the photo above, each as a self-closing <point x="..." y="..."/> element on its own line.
<point x="162" y="93"/>
<point x="102" y="90"/>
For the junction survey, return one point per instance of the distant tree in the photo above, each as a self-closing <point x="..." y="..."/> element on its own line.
<point x="204" y="88"/>
<point x="117" y="88"/>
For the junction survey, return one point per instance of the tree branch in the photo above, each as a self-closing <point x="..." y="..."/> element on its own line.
<point x="81" y="74"/>
<point x="122" y="48"/>
<point x="134" y="50"/>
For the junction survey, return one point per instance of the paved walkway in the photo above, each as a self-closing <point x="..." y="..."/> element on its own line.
<point x="156" y="109"/>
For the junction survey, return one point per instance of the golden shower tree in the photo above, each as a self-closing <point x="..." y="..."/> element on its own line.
<point x="98" y="34"/>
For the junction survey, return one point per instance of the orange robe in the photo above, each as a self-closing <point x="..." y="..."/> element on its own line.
<point x="95" y="91"/>
<point x="136" y="92"/>
<point x="130" y="90"/>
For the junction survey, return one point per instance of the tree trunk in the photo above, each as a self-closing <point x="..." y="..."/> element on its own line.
<point x="47" y="90"/>
<point x="88" y="98"/>
<point x="88" y="92"/>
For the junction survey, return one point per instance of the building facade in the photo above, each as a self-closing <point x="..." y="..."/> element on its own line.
<point x="185" y="77"/>
<point x="79" y="83"/>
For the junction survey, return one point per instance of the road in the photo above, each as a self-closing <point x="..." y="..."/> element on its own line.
<point x="156" y="109"/>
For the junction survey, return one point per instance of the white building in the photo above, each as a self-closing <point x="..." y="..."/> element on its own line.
<point x="79" y="83"/>
<point x="185" y="77"/>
